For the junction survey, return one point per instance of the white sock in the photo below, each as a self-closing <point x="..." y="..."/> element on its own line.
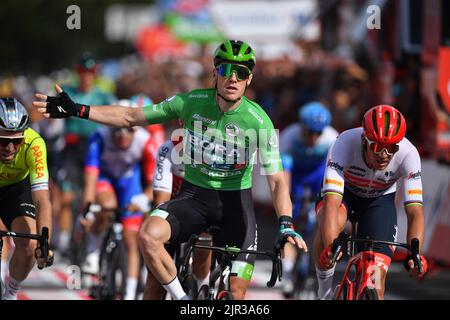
<point x="94" y="242"/>
<point x="325" y="281"/>
<point x="12" y="289"/>
<point x="5" y="270"/>
<point x="175" y="289"/>
<point x="131" y="288"/>
<point x="63" y="240"/>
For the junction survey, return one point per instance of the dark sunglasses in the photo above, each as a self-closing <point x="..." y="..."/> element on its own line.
<point x="241" y="72"/>
<point x="4" y="142"/>
<point x="378" y="147"/>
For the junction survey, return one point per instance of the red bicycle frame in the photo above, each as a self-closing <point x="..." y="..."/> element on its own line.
<point x="363" y="262"/>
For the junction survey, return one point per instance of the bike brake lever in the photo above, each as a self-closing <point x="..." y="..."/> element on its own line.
<point x="338" y="245"/>
<point x="415" y="254"/>
<point x="43" y="243"/>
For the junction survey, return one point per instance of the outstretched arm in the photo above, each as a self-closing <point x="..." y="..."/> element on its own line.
<point x="62" y="107"/>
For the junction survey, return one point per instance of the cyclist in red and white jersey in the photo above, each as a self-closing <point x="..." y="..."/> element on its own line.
<point x="363" y="168"/>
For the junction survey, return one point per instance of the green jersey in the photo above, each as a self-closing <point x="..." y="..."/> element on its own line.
<point x="219" y="148"/>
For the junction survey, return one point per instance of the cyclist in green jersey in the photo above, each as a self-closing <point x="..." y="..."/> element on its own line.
<point x="24" y="196"/>
<point x="222" y="130"/>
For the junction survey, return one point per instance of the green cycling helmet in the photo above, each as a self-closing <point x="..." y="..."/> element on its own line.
<point x="235" y="51"/>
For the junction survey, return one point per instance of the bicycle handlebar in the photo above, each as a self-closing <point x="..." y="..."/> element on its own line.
<point x="274" y="255"/>
<point x="42" y="238"/>
<point x="340" y="243"/>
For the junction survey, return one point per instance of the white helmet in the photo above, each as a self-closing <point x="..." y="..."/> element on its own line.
<point x="13" y="115"/>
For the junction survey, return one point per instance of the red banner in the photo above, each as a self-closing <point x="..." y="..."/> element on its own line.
<point x="444" y="76"/>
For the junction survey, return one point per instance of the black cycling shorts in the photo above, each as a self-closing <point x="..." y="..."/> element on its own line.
<point x="16" y="201"/>
<point x="196" y="209"/>
<point x="376" y="218"/>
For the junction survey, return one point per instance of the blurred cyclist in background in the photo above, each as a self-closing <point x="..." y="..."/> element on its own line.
<point x="304" y="146"/>
<point x="76" y="136"/>
<point x="116" y="160"/>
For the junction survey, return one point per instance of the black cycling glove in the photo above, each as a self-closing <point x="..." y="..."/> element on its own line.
<point x="62" y="106"/>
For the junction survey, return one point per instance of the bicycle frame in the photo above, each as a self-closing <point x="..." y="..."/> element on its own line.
<point x="365" y="263"/>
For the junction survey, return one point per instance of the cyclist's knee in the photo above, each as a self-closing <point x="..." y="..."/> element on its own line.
<point x="153" y="234"/>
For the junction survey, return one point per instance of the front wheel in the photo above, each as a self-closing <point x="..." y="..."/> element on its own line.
<point x="225" y="295"/>
<point x="203" y="293"/>
<point x="190" y="286"/>
<point x="113" y="271"/>
<point x="344" y="292"/>
<point x="369" y="294"/>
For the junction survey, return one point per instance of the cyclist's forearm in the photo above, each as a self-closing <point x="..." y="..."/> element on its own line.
<point x="148" y="191"/>
<point x="416" y="224"/>
<point x="90" y="181"/>
<point x="117" y="116"/>
<point x="41" y="200"/>
<point x="329" y="227"/>
<point x="279" y="191"/>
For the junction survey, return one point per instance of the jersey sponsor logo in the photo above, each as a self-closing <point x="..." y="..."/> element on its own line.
<point x="415" y="175"/>
<point x="215" y="153"/>
<point x="159" y="163"/>
<point x="220" y="174"/>
<point x="39" y="161"/>
<point x="254" y="114"/>
<point x="415" y="191"/>
<point x="333" y="181"/>
<point x="273" y="141"/>
<point x="196" y="116"/>
<point x="389" y="173"/>
<point x="9" y="176"/>
<point x="335" y="165"/>
<point x="365" y="192"/>
<point x="232" y="129"/>
<point x="199" y="95"/>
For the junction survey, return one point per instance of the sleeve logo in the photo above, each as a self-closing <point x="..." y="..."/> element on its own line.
<point x="415" y="175"/>
<point x="335" y="165"/>
<point x="333" y="181"/>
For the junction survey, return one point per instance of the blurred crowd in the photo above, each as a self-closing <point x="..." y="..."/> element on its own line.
<point x="281" y="86"/>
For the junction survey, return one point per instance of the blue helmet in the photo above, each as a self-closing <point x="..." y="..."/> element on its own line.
<point x="314" y="116"/>
<point x="141" y="100"/>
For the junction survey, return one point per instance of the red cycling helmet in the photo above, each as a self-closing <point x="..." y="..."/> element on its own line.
<point x="384" y="124"/>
